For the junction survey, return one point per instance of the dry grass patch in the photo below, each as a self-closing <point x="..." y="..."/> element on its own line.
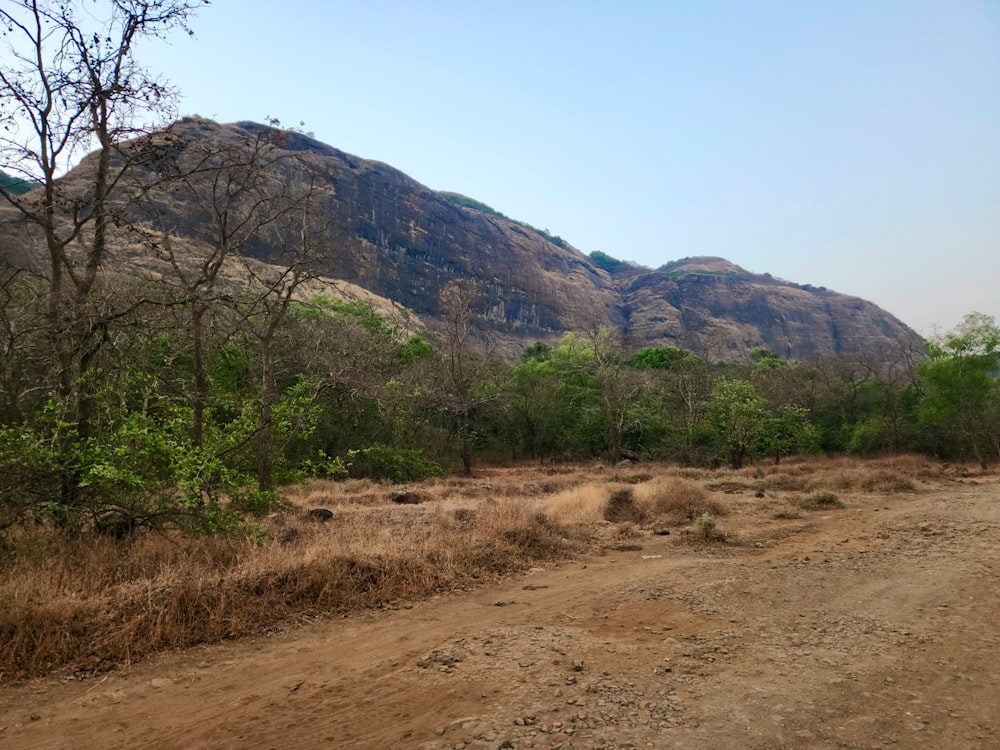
<point x="677" y="499"/>
<point x="887" y="480"/>
<point x="820" y="500"/>
<point x="787" y="515"/>
<point x="326" y="493"/>
<point x="90" y="603"/>
<point x="838" y="474"/>
<point x="583" y="505"/>
<point x="688" y="472"/>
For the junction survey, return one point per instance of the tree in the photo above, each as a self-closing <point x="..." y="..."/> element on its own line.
<point x="620" y="387"/>
<point x="737" y="412"/>
<point x="69" y="84"/>
<point x="961" y="384"/>
<point x="787" y="430"/>
<point x="682" y="385"/>
<point x="462" y="369"/>
<point x="240" y="195"/>
<point x="533" y="404"/>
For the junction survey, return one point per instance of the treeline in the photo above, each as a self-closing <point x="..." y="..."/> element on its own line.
<point x="154" y="373"/>
<point x="184" y="412"/>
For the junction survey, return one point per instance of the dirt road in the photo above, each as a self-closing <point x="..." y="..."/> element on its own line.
<point x="874" y="626"/>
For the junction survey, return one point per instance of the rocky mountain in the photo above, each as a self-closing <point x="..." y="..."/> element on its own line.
<point x="399" y="240"/>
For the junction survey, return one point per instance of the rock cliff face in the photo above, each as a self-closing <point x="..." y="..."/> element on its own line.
<point x="712" y="306"/>
<point x="391" y="235"/>
<point x="402" y="241"/>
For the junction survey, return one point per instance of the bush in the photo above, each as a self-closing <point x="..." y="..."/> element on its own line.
<point x="677" y="498"/>
<point x="886" y="480"/>
<point x="399" y="465"/>
<point x="822" y="500"/>
<point x="707" y="528"/>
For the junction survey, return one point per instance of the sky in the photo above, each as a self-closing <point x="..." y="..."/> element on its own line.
<point x="852" y="144"/>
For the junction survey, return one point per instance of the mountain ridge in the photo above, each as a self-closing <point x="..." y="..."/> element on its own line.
<point x="402" y="241"/>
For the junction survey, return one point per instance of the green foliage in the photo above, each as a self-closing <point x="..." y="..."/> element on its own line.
<point x="961" y="384"/>
<point x="662" y="358"/>
<point x="787" y="431"/>
<point x="393" y="464"/>
<point x="675" y="269"/>
<point x="737" y="412"/>
<point x="415" y="349"/>
<point x="325" y="307"/>
<point x="15" y="185"/>
<point x="30" y="461"/>
<point x="466" y="202"/>
<point x="537" y="352"/>
<point x="608" y="263"/>
<point x="764" y="359"/>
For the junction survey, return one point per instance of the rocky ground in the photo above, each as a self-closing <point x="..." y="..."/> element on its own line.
<point x="873" y="626"/>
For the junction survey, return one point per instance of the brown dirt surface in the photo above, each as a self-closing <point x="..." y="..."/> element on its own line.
<point x="872" y="626"/>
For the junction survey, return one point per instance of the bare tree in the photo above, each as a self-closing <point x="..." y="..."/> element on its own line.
<point x="297" y="235"/>
<point x="241" y="199"/>
<point x="70" y="83"/>
<point x="244" y="194"/>
<point x="464" y="362"/>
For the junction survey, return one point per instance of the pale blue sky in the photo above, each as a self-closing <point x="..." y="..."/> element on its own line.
<point x="853" y="144"/>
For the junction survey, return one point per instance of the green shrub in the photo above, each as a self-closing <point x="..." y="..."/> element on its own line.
<point x="706" y="526"/>
<point x="381" y="461"/>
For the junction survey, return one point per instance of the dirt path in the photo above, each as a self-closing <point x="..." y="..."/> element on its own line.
<point x="875" y="626"/>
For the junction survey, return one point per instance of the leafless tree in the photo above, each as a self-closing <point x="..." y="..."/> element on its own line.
<point x="70" y="84"/>
<point x="465" y="362"/>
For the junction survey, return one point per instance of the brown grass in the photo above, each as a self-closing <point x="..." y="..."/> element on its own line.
<point x="583" y="505"/>
<point x="89" y="603"/>
<point x="820" y="500"/>
<point x="838" y="474"/>
<point x="672" y="498"/>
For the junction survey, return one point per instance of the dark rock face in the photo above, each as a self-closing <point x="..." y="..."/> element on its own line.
<point x="404" y="242"/>
<point x="711" y="306"/>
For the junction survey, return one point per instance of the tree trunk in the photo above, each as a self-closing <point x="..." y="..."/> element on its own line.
<point x="200" y="396"/>
<point x="265" y="463"/>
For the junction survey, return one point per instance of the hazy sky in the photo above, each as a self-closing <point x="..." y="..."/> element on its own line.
<point x="841" y="143"/>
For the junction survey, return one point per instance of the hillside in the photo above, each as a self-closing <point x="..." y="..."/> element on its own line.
<point x="386" y="233"/>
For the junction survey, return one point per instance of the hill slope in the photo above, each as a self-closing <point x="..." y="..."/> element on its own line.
<point x="404" y="242"/>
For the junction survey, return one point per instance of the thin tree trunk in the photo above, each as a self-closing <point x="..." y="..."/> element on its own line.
<point x="265" y="463"/>
<point x="200" y="396"/>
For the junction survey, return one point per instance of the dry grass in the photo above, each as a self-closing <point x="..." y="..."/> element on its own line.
<point x="672" y="498"/>
<point x="89" y="603"/>
<point x="583" y="505"/>
<point x="819" y="500"/>
<point x="838" y="474"/>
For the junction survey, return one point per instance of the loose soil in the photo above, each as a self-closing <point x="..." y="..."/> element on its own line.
<point x="873" y="626"/>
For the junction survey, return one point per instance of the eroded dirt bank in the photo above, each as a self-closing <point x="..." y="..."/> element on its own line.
<point x="874" y="626"/>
